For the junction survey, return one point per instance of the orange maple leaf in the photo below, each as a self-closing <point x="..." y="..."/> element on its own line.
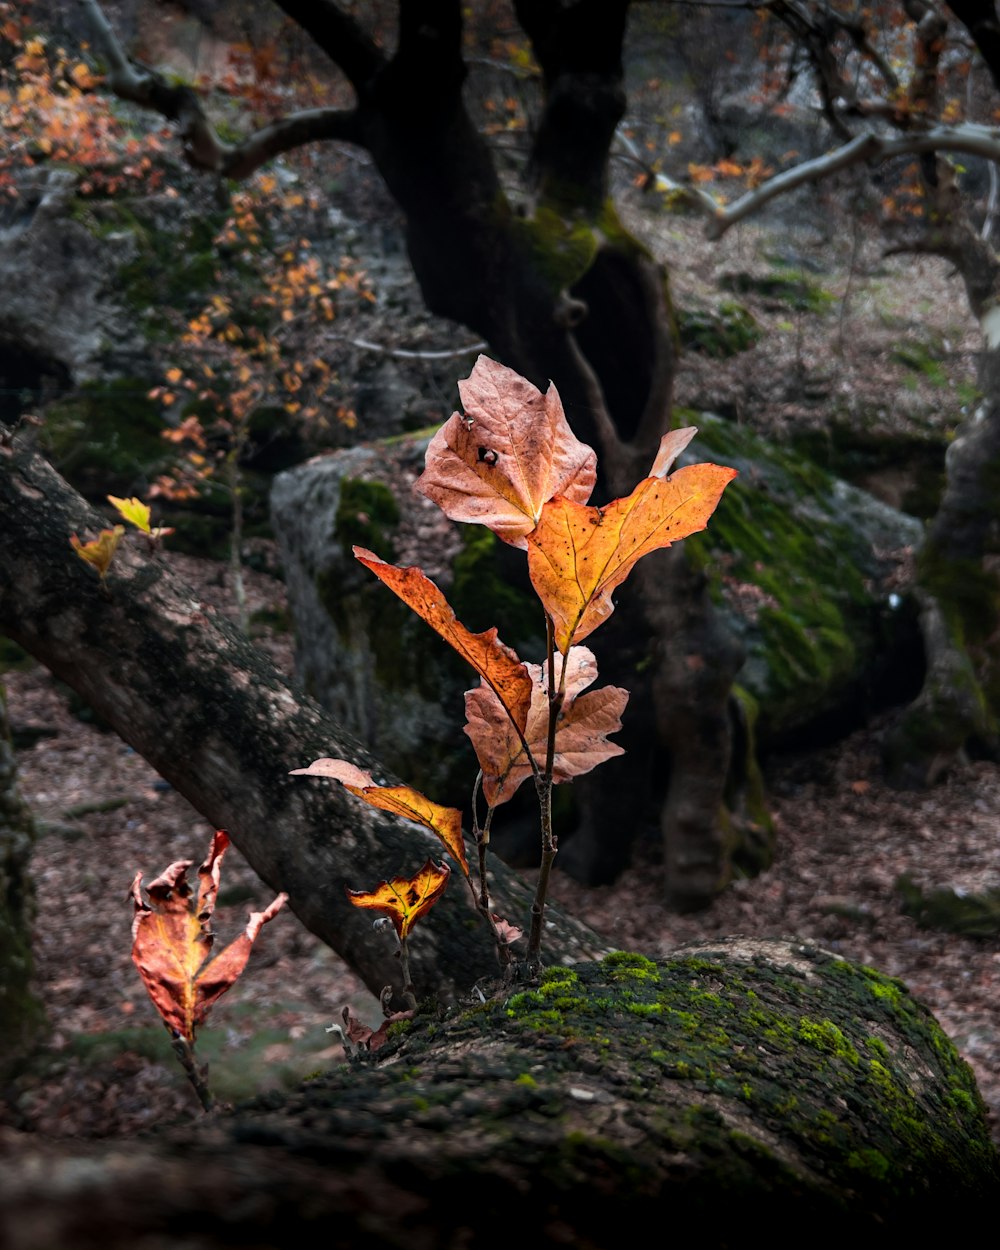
<point x="405" y="899"/>
<point x="497" y="664"/>
<point x="403" y="801"/>
<point x="585" y="720"/>
<point x="99" y="552"/>
<point x="578" y="555"/>
<point x="172" y="941"/>
<point x="510" y="453"/>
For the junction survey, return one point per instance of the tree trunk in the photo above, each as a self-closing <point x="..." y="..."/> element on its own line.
<point x="20" y="1012"/>
<point x="958" y="566"/>
<point x="735" y="1084"/>
<point x="213" y="717"/>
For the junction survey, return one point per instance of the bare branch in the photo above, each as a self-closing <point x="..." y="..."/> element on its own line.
<point x="180" y="104"/>
<point x="972" y="139"/>
<point x="403" y="353"/>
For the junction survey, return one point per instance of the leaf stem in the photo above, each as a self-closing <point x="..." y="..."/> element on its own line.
<point x="198" y="1076"/>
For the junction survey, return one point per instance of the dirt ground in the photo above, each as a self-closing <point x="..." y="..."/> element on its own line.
<point x="844" y="839"/>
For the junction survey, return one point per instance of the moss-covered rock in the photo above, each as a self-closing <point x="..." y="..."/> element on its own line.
<point x="947" y="910"/>
<point x="788" y="288"/>
<point x="720" y="332"/>
<point x="797" y="559"/>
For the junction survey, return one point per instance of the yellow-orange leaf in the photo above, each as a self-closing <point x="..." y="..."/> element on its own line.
<point x="172" y="941"/>
<point x="405" y="899"/>
<point x="403" y="801"/>
<point x="584" y="722"/>
<point x="99" y="551"/>
<point x="497" y="664"/>
<point x="508" y="455"/>
<point x="578" y="555"/>
<point x="133" y="510"/>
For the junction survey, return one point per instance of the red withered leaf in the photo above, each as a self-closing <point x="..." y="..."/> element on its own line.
<point x="405" y="899"/>
<point x="505" y="931"/>
<point x="584" y="723"/>
<point x="578" y="555"/>
<point x="403" y="801"/>
<point x="497" y="664"/>
<point x="361" y="1037"/>
<point x="172" y="941"/>
<point x="509" y="454"/>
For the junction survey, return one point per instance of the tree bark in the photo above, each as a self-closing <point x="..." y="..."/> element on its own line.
<point x="216" y="719"/>
<point x="734" y="1084"/>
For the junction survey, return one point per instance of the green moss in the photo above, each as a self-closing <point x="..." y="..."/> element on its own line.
<point x="781" y="529"/>
<point x="366" y="512"/>
<point x="720" y="333"/>
<point x="560" y="247"/>
<point x="793" y="288"/>
<point x="629" y="959"/>
<point x="920" y="357"/>
<point x="726" y="1030"/>
<point x="975" y="915"/>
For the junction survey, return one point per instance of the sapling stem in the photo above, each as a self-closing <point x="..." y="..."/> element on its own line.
<point x="543" y="788"/>
<point x="198" y="1076"/>
<point x="404" y="964"/>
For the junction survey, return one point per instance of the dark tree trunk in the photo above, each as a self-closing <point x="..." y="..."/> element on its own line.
<point x="958" y="566"/>
<point x="735" y="1085"/>
<point x="213" y="716"/>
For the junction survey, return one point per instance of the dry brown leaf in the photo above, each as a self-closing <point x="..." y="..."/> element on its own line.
<point x="510" y="453"/>
<point x="585" y="721"/>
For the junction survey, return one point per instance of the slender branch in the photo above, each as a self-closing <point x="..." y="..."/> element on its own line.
<point x="970" y="138"/>
<point x="543" y="788"/>
<point x="404" y="353"/>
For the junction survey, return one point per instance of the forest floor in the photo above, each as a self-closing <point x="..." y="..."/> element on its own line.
<point x="844" y="839"/>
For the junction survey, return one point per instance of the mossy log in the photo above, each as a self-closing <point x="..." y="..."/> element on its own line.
<point x="735" y="1084"/>
<point x="214" y="717"/>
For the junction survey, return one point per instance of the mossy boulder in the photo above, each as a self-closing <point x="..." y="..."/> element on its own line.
<point x="797" y="560"/>
<point x="801" y="562"/>
<point x="734" y="1084"/>
<point x="719" y="332"/>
